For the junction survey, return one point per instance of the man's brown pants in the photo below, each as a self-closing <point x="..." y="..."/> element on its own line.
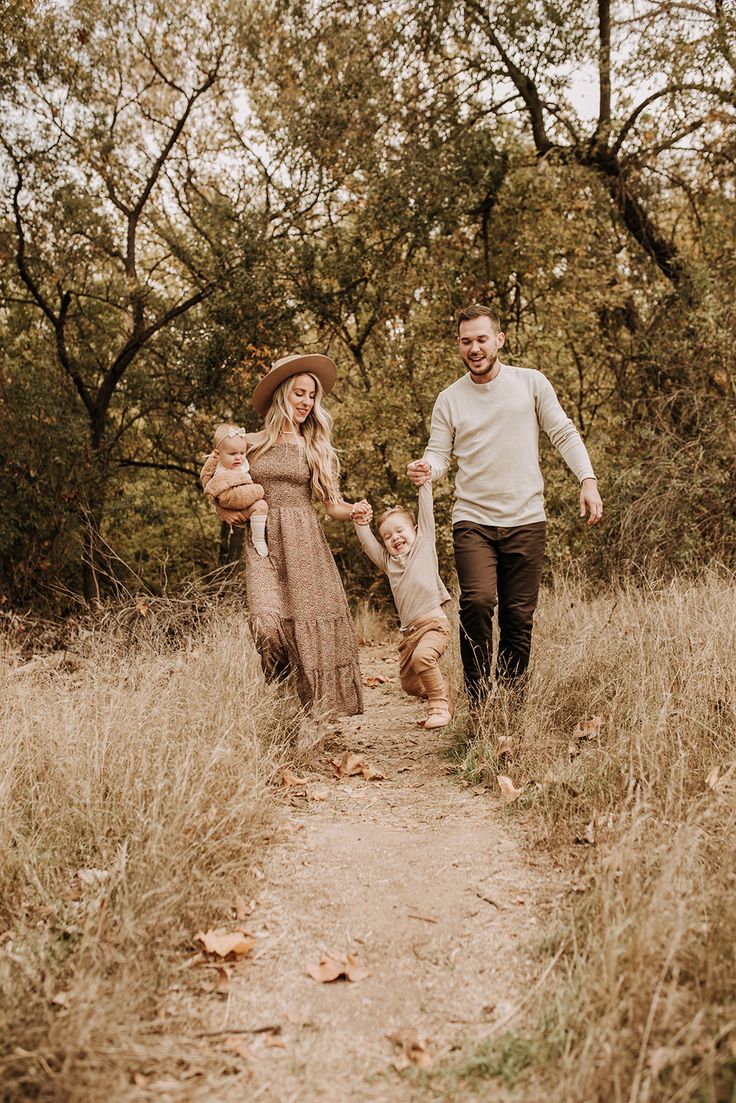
<point x="421" y="648"/>
<point x="497" y="566"/>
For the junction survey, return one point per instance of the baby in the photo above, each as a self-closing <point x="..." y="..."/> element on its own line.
<point x="226" y="481"/>
<point x="409" y="558"/>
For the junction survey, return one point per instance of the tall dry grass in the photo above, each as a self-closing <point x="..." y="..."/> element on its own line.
<point x="642" y="1001"/>
<point x="141" y="760"/>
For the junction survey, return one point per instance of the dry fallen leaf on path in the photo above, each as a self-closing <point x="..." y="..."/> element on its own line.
<point x="318" y="794"/>
<point x="223" y="942"/>
<point x="298" y="1020"/>
<point x="588" y="729"/>
<point x="273" y="1041"/>
<point x="354" y="765"/>
<point x="348" y="765"/>
<point x="509" y="791"/>
<point x="239" y="1046"/>
<point x="327" y="969"/>
<point x="413" y="1048"/>
<point x="374" y="680"/>
<point x="292" y="780"/>
<point x="332" y="966"/>
<point x="505" y="746"/>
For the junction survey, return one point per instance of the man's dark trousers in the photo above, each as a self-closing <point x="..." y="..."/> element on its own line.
<point x="497" y="566"/>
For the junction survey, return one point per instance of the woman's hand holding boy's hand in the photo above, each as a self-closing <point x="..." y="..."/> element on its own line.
<point x="362" y="512"/>
<point x="419" y="472"/>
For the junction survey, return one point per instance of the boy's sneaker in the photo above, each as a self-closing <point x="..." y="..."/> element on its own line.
<point x="438" y="718"/>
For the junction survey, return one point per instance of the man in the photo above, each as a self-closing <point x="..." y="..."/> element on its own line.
<point x="490" y="420"/>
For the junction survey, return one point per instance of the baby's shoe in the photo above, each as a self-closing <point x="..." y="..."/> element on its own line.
<point x="439" y="717"/>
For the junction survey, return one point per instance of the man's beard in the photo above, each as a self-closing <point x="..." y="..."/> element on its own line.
<point x="486" y="369"/>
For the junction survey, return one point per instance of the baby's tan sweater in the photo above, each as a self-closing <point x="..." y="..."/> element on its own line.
<point x="414" y="577"/>
<point x="493" y="430"/>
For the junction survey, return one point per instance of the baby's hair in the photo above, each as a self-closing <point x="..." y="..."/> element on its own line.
<point x="397" y="509"/>
<point x="224" y="430"/>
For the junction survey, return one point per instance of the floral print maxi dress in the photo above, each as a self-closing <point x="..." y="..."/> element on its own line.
<point x="299" y="614"/>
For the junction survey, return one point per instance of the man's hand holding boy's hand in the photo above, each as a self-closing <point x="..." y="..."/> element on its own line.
<point x="362" y="512"/>
<point x="419" y="472"/>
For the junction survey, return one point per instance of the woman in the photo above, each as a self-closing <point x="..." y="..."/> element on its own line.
<point x="299" y="615"/>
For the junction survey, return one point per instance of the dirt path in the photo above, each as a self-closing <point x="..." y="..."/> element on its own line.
<point x="424" y="881"/>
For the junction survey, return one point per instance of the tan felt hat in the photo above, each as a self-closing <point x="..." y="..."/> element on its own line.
<point x="313" y="363"/>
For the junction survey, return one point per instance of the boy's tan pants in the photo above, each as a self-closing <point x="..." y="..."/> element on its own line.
<point x="421" y="648"/>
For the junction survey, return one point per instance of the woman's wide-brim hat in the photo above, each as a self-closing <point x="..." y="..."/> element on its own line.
<point x="313" y="363"/>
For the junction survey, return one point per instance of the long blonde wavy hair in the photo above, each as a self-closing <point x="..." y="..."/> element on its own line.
<point x="316" y="429"/>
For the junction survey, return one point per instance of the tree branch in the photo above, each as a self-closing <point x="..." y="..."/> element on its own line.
<point x="525" y="86"/>
<point x="604" y="72"/>
<point x="135" y="213"/>
<point x="58" y="321"/>
<point x="136" y="343"/>
<point x="179" y="468"/>
<point x="718" y="93"/>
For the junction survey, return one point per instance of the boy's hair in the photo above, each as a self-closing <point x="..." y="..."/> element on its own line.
<point x="397" y="509"/>
<point x="468" y="313"/>
<point x="225" y="429"/>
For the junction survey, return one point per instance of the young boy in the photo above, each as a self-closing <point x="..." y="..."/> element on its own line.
<point x="225" y="480"/>
<point x="409" y="558"/>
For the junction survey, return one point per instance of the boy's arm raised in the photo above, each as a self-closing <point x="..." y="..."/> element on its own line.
<point x="371" y="547"/>
<point x="425" y="510"/>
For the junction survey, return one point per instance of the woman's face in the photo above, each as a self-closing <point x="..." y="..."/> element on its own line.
<point x="301" y="397"/>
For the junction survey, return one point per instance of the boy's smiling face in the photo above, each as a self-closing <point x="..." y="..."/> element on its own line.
<point x="398" y="534"/>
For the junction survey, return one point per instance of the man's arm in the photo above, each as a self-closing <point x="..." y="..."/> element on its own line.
<point x="439" y="448"/>
<point x="441" y="438"/>
<point x="568" y="442"/>
<point x="561" y="431"/>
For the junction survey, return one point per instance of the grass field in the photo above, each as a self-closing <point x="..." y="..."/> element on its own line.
<point x="136" y="808"/>
<point x="640" y="805"/>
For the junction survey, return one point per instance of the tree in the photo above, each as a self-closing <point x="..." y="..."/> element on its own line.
<point x="120" y="220"/>
<point x="681" y="54"/>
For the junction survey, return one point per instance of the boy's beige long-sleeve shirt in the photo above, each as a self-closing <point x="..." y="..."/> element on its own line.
<point x="414" y="577"/>
<point x="493" y="430"/>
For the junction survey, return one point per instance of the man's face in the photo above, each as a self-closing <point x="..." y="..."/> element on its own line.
<point x="479" y="342"/>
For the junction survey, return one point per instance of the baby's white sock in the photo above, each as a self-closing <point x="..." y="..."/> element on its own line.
<point x="258" y="533"/>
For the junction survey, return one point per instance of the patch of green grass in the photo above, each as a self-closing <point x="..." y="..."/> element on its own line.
<point x="502" y="1058"/>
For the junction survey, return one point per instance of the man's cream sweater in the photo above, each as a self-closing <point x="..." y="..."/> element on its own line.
<point x="493" y="430"/>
